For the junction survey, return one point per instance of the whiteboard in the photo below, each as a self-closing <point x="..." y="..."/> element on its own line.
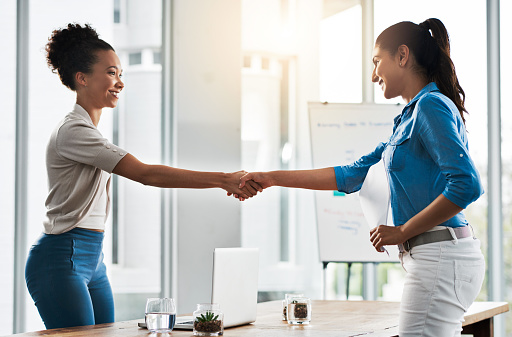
<point x="340" y="134"/>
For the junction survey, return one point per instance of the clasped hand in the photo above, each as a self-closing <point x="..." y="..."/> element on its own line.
<point x="241" y="191"/>
<point x="248" y="184"/>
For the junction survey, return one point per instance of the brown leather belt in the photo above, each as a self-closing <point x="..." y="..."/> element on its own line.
<point x="435" y="236"/>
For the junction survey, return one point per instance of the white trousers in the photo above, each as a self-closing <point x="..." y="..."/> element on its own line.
<point x="442" y="281"/>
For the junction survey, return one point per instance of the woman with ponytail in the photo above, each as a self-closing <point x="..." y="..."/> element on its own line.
<point x="65" y="273"/>
<point x="431" y="178"/>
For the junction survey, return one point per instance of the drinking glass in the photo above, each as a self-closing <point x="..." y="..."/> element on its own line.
<point x="285" y="304"/>
<point x="160" y="314"/>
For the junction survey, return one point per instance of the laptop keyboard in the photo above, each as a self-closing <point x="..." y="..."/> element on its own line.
<point x="186" y="322"/>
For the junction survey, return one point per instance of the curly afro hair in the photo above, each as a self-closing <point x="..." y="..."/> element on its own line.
<point x="73" y="49"/>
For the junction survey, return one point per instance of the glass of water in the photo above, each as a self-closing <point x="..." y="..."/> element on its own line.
<point x="285" y="304"/>
<point x="160" y="314"/>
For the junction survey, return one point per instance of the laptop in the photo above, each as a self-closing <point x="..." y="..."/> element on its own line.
<point x="234" y="287"/>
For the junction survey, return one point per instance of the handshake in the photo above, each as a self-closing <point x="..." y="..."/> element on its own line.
<point x="243" y="185"/>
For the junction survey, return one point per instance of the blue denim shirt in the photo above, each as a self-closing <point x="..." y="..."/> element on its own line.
<point x="427" y="155"/>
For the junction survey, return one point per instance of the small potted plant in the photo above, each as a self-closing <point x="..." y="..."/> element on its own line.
<point x="208" y="320"/>
<point x="299" y="310"/>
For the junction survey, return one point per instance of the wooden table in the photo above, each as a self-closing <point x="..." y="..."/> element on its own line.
<point x="329" y="318"/>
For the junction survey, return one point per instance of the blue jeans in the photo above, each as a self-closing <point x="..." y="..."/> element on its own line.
<point x="67" y="279"/>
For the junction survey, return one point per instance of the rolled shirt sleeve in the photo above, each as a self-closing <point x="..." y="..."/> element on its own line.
<point x="350" y="178"/>
<point x="443" y="137"/>
<point x="82" y="143"/>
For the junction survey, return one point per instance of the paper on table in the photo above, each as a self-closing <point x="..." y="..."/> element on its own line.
<point x="375" y="197"/>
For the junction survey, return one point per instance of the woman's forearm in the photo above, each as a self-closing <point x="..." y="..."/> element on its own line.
<point x="318" y="179"/>
<point x="171" y="177"/>
<point x="439" y="211"/>
<point x="166" y="176"/>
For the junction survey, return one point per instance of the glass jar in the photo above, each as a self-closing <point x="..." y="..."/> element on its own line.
<point x="285" y="304"/>
<point x="299" y="310"/>
<point x="208" y="320"/>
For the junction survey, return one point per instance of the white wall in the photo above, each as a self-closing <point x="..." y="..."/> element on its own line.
<point x="207" y="79"/>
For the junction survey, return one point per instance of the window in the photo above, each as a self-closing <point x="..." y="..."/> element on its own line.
<point x="266" y="91"/>
<point x="137" y="128"/>
<point x="268" y="131"/>
<point x="464" y="37"/>
<point x="157" y="57"/>
<point x="7" y="169"/>
<point x="247" y="61"/>
<point x="339" y="82"/>
<point x="135" y="58"/>
<point x="119" y="11"/>
<point x="132" y="125"/>
<point x="506" y="150"/>
<point x="265" y="63"/>
<point x="341" y="56"/>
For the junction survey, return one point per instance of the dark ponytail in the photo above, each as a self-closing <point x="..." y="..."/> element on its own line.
<point x="73" y="49"/>
<point x="430" y="45"/>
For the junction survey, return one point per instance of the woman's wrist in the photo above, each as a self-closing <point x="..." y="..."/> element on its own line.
<point x="224" y="180"/>
<point x="410" y="229"/>
<point x="271" y="178"/>
<point x="402" y="230"/>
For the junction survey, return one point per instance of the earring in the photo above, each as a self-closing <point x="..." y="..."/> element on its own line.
<point x="400" y="64"/>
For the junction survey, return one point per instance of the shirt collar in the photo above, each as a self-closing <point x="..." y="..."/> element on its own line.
<point x="432" y="86"/>
<point x="82" y="113"/>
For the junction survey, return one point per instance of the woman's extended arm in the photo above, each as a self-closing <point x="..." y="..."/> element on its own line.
<point x="440" y="210"/>
<point x="170" y="177"/>
<point x="318" y="179"/>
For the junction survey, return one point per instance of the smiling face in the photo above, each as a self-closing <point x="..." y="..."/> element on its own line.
<point x="103" y="84"/>
<point x="387" y="72"/>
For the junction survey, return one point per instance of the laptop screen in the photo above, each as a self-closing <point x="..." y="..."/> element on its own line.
<point x="235" y="284"/>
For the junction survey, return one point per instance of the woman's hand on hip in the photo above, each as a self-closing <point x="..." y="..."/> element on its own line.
<point x="383" y="235"/>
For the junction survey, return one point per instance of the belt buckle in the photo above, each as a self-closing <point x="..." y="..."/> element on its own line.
<point x="404" y="247"/>
<point x="407" y="246"/>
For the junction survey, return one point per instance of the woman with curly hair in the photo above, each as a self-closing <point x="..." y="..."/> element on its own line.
<point x="65" y="272"/>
